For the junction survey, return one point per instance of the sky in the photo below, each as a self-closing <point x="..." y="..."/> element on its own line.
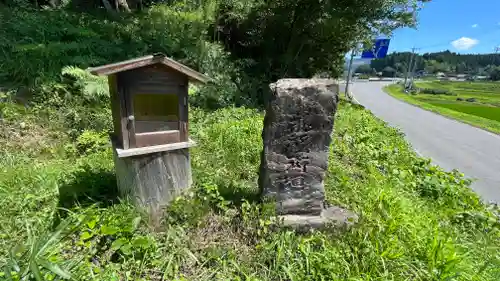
<point x="462" y="26"/>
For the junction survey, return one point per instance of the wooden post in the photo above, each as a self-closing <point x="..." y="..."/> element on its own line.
<point x="150" y="181"/>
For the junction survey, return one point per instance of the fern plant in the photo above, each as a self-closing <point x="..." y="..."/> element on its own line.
<point x="92" y="87"/>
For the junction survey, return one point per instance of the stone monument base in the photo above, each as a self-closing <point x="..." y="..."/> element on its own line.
<point x="330" y="217"/>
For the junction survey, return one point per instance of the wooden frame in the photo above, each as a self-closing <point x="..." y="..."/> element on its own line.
<point x="154" y="74"/>
<point x="113" y="68"/>
<point x="152" y="162"/>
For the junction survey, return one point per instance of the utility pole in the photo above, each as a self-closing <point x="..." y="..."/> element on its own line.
<point x="412" y="73"/>
<point x="409" y="66"/>
<point x="349" y="70"/>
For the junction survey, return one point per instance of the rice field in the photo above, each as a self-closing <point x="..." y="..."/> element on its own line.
<point x="474" y="103"/>
<point x="486" y="97"/>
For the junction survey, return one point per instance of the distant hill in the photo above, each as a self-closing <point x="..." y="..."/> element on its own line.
<point x="446" y="62"/>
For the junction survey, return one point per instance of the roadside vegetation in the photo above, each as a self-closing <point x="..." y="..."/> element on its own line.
<point x="474" y="103"/>
<point x="60" y="218"/>
<point x="417" y="221"/>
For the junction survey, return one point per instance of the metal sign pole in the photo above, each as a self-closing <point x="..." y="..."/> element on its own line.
<point x="348" y="79"/>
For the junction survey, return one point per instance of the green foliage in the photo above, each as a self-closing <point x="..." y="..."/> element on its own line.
<point x="276" y="39"/>
<point x="388" y="71"/>
<point x="364" y="69"/>
<point x="446" y="62"/>
<point x="413" y="214"/>
<point x="91" y="142"/>
<point x="483" y="113"/>
<point x="93" y="88"/>
<point x="48" y="41"/>
<point x="60" y="217"/>
<point x="230" y="141"/>
<point x="35" y="261"/>
<point x="494" y="73"/>
<point x="486" y="93"/>
<point x="435" y="91"/>
<point x="489" y="112"/>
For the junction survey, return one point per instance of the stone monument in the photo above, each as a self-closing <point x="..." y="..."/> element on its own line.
<point x="297" y="134"/>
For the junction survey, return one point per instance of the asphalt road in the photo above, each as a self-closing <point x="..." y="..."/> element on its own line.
<point x="449" y="143"/>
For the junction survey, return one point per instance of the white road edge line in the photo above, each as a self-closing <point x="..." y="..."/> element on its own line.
<point x="354" y="98"/>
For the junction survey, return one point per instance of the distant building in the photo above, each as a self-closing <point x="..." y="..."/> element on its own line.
<point x="481" y="77"/>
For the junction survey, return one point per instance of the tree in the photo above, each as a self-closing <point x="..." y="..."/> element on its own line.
<point x="440" y="62"/>
<point x="298" y="38"/>
<point x="364" y="69"/>
<point x="460" y="68"/>
<point x="494" y="73"/>
<point x="400" y="67"/>
<point x="388" y="72"/>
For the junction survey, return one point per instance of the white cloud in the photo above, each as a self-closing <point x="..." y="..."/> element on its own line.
<point x="475" y="25"/>
<point x="464" y="43"/>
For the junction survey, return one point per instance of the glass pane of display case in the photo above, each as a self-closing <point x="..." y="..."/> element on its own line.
<point x="156" y="112"/>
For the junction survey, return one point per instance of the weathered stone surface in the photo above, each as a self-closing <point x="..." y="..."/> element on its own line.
<point x="329" y="217"/>
<point x="297" y="135"/>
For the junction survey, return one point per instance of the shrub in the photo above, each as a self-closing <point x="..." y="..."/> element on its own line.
<point x="91" y="88"/>
<point x="413" y="214"/>
<point x="430" y="91"/>
<point x="91" y="142"/>
<point x="230" y="140"/>
<point x="49" y="44"/>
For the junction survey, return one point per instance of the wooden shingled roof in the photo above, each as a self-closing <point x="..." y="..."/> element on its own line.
<point x="149" y="60"/>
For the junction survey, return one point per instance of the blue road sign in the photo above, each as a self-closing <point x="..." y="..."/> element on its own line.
<point x="378" y="50"/>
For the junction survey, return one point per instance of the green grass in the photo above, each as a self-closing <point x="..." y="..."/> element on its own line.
<point x="60" y="218"/>
<point x="489" y="112"/>
<point x="484" y="117"/>
<point x="487" y="93"/>
<point x="417" y="222"/>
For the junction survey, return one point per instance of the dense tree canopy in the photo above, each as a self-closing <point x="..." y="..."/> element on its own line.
<point x="388" y="71"/>
<point x="446" y="62"/>
<point x="365" y="69"/>
<point x="267" y="40"/>
<point x="288" y="38"/>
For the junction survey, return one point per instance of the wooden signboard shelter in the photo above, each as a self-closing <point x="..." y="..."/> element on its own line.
<point x="149" y="103"/>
